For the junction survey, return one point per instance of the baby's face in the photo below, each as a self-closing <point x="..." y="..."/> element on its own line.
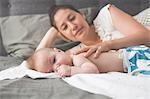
<point x="49" y="60"/>
<point x="58" y="58"/>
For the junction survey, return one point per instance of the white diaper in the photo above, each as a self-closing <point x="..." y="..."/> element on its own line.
<point x="122" y="55"/>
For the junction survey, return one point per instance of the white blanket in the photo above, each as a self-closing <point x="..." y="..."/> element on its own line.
<point x="22" y="70"/>
<point x="116" y="85"/>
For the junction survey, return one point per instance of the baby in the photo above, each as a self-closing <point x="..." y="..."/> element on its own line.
<point x="54" y="60"/>
<point x="64" y="64"/>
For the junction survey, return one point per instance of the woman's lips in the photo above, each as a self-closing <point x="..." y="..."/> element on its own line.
<point x="79" y="31"/>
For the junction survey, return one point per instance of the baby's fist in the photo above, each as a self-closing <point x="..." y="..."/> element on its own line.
<point x="64" y="70"/>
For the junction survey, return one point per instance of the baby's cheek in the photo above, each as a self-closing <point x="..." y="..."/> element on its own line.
<point x="49" y="70"/>
<point x="46" y="70"/>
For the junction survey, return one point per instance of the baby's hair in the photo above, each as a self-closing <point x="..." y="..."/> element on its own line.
<point x="31" y="61"/>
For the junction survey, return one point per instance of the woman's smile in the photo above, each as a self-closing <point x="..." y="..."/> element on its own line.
<point x="81" y="34"/>
<point x="78" y="32"/>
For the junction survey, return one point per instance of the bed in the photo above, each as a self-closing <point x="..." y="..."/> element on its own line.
<point x="23" y="23"/>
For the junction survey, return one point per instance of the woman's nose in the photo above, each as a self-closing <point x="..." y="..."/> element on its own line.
<point x="73" y="26"/>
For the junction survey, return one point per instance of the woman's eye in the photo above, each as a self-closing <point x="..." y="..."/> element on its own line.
<point x="71" y="18"/>
<point x="65" y="27"/>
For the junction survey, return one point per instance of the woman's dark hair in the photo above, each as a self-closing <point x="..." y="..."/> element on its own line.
<point x="56" y="8"/>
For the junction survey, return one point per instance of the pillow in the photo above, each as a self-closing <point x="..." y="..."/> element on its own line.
<point x="21" y="34"/>
<point x="143" y="17"/>
<point x="2" y="50"/>
<point x="89" y="12"/>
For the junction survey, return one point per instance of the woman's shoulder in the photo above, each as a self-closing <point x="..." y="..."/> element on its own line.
<point x="102" y="7"/>
<point x="103" y="22"/>
<point x="106" y="7"/>
<point x="104" y="12"/>
<point x="103" y="16"/>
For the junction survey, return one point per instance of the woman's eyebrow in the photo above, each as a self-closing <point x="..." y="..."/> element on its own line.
<point x="67" y="19"/>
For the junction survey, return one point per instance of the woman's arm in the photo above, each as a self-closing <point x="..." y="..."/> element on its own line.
<point x="48" y="39"/>
<point x="130" y="40"/>
<point x="136" y="34"/>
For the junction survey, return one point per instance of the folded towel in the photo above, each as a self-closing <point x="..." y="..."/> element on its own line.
<point x="22" y="70"/>
<point x="116" y="85"/>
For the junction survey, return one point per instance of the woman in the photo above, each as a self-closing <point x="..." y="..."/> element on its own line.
<point x="100" y="37"/>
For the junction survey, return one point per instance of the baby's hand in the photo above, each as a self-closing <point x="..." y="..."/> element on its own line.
<point x="64" y="70"/>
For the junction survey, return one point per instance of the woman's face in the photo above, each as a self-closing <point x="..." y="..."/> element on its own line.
<point x="72" y="24"/>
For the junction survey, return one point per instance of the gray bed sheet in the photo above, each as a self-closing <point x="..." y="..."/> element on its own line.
<point x="27" y="88"/>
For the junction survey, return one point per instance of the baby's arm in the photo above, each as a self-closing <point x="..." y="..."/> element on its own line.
<point x="81" y="65"/>
<point x="86" y="68"/>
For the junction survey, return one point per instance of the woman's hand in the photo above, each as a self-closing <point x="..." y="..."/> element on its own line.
<point x="95" y="49"/>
